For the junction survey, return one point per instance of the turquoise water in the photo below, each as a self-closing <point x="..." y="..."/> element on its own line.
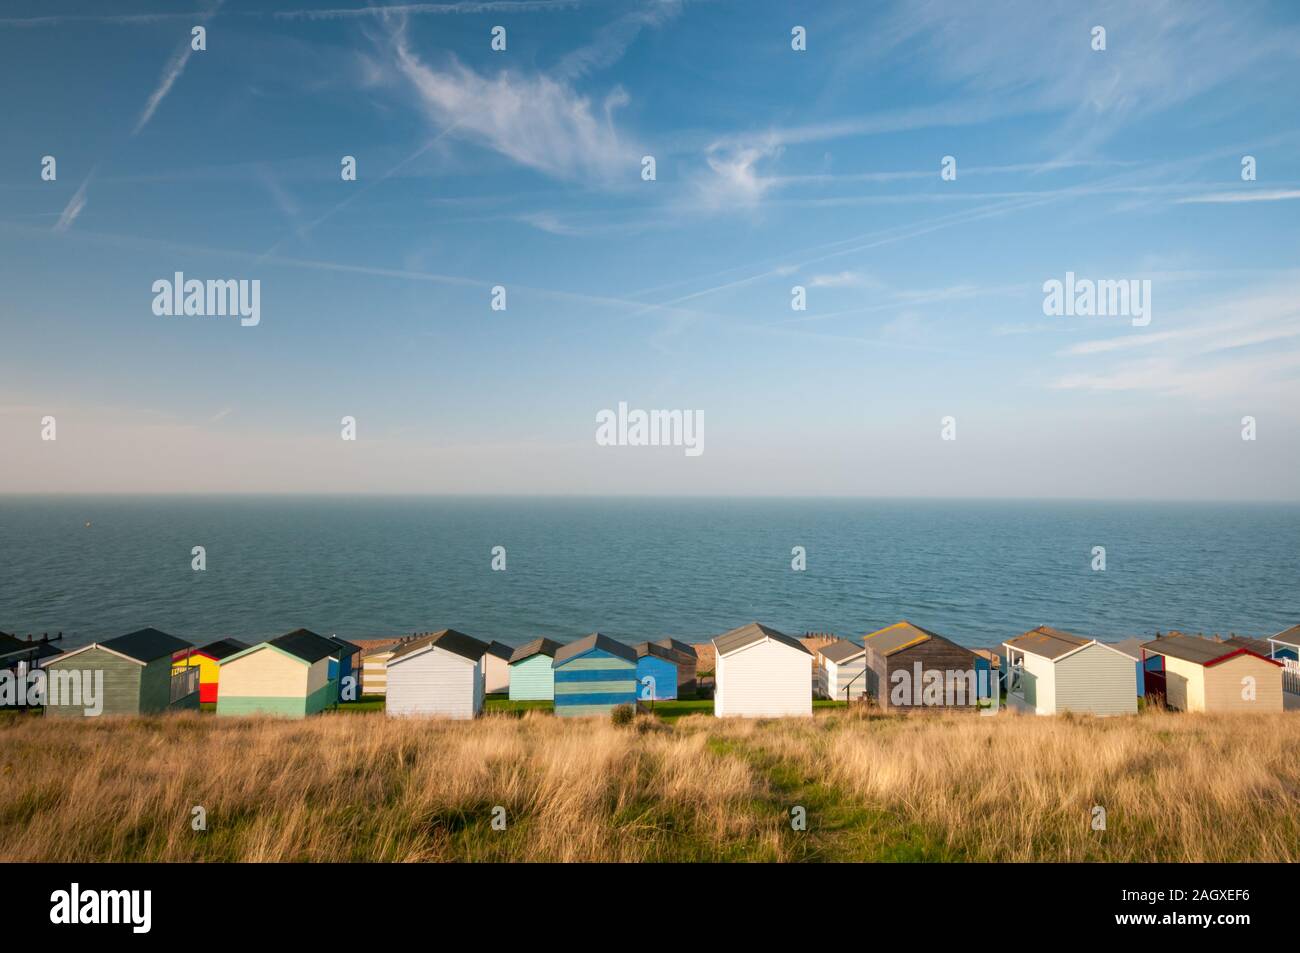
<point x="975" y="571"/>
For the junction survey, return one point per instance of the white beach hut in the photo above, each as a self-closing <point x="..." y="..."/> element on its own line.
<point x="761" y="673"/>
<point x="1051" y="671"/>
<point x="841" y="670"/>
<point x="437" y="675"/>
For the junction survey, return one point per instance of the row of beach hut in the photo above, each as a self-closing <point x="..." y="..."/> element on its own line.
<point x="759" y="672"/>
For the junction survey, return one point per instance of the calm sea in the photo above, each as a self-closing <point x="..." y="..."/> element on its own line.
<point x="95" y="567"/>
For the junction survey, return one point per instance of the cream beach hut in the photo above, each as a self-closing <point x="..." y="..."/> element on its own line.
<point x="1203" y="675"/>
<point x="437" y="675"/>
<point x="287" y="676"/>
<point x="1053" y="671"/>
<point x="496" y="668"/>
<point x="761" y="673"/>
<point x="841" y="670"/>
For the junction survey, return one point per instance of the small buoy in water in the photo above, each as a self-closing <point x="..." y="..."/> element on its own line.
<point x="87" y="524"/>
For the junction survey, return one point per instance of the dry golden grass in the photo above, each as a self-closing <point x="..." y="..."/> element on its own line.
<point x="365" y="787"/>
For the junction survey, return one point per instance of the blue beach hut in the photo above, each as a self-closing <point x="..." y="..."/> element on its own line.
<point x="593" y="676"/>
<point x="657" y="672"/>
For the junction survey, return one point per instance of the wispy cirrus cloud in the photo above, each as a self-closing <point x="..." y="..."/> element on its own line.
<point x="171" y="72"/>
<point x="1231" y="198"/>
<point x="75" y="206"/>
<point x="535" y="120"/>
<point x="1247" y="345"/>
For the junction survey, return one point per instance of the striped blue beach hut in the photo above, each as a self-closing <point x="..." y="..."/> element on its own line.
<point x="593" y="676"/>
<point x="656" y="672"/>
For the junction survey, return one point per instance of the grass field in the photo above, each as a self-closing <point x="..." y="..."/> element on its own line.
<point x="361" y="786"/>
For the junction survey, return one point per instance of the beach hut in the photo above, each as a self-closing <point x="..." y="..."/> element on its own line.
<point x="21" y="656"/>
<point x="658" y="671"/>
<point x="1204" y="675"/>
<point x="761" y="673"/>
<point x="688" y="662"/>
<point x="437" y="675"/>
<point x="496" y="668"/>
<point x="1285" y="648"/>
<point x="912" y="667"/>
<point x="1053" y="671"/>
<point x="531" y="675"/>
<point x="374" y="668"/>
<point x="348" y="657"/>
<point x="137" y="677"/>
<point x="1143" y="661"/>
<point x="594" y="675"/>
<point x="842" y="670"/>
<point x="288" y="676"/>
<point x="207" y="659"/>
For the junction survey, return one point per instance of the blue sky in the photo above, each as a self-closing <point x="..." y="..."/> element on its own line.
<point x="775" y="168"/>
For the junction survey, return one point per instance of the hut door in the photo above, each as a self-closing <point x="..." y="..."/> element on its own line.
<point x="1155" y="680"/>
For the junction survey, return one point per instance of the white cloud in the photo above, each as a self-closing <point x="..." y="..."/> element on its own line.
<point x="734" y="178"/>
<point x="1215" y="198"/>
<point x="535" y="120"/>
<point x="74" y="207"/>
<point x="842" y="279"/>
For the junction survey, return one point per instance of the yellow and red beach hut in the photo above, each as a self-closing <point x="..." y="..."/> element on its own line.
<point x="208" y="661"/>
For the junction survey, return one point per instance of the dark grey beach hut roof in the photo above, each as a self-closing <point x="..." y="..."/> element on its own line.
<point x="500" y="650"/>
<point x="677" y="646"/>
<point x="348" y="648"/>
<point x="222" y="648"/>
<point x="146" y="645"/>
<point x="547" y="647"/>
<point x="643" y="649"/>
<point x="449" y="640"/>
<point x="754" y="632"/>
<point x="841" y="650"/>
<point x="595" y="641"/>
<point x="306" y="645"/>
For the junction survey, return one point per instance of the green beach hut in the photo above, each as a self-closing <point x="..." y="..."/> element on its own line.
<point x="531" y="675"/>
<point x="128" y="675"/>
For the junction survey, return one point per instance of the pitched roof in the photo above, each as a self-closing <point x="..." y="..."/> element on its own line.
<point x="449" y="640"/>
<point x="222" y="648"/>
<point x="388" y="647"/>
<point x="349" y="648"/>
<point x="145" y="645"/>
<point x="500" y="650"/>
<point x="1132" y="647"/>
<point x="1289" y="636"/>
<point x="1048" y="643"/>
<point x="841" y="650"/>
<point x="1258" y="646"/>
<point x="896" y="637"/>
<point x="1193" y="648"/>
<point x="20" y="650"/>
<point x="547" y="647"/>
<point x="677" y="646"/>
<point x="754" y="632"/>
<point x="594" y="641"/>
<point x="643" y="649"/>
<point x="306" y="645"/>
